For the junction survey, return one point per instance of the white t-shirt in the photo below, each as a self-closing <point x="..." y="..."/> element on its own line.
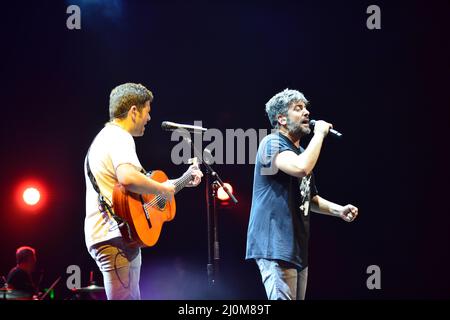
<point x="112" y="147"/>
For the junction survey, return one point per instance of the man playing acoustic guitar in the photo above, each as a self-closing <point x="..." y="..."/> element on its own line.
<point x="111" y="161"/>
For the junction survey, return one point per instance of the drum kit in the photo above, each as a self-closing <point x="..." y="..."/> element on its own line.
<point x="91" y="292"/>
<point x="10" y="294"/>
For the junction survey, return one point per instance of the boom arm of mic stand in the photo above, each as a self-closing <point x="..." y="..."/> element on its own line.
<point x="214" y="174"/>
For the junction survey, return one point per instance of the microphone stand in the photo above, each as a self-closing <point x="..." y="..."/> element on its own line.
<point x="213" y="183"/>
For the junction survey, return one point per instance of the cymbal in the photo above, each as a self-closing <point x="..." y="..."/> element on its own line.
<point x="11" y="294"/>
<point x="91" y="288"/>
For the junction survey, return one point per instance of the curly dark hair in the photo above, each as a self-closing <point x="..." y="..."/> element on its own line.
<point x="126" y="95"/>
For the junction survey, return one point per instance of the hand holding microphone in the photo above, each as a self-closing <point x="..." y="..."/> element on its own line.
<point x="324" y="128"/>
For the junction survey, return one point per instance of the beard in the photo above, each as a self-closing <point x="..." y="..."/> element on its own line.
<point x="297" y="129"/>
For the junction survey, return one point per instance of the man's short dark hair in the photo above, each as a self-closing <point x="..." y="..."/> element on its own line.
<point x="24" y="254"/>
<point x="124" y="96"/>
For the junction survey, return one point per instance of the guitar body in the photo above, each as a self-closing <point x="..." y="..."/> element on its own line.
<point x="144" y="214"/>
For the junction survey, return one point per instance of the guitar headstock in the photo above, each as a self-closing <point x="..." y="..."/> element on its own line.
<point x="193" y="162"/>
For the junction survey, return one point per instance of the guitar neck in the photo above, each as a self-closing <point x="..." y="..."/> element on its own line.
<point x="183" y="181"/>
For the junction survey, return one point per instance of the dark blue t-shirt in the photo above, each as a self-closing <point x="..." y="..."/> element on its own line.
<point x="21" y="281"/>
<point x="279" y="217"/>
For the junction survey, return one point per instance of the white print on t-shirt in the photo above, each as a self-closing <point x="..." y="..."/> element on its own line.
<point x="305" y="193"/>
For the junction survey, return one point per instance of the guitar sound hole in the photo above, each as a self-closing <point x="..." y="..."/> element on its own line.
<point x="161" y="203"/>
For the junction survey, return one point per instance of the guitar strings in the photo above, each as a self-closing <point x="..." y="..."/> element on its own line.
<point x="184" y="179"/>
<point x="178" y="183"/>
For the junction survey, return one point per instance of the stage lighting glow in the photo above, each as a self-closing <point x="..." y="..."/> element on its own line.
<point x="31" y="196"/>
<point x="222" y="195"/>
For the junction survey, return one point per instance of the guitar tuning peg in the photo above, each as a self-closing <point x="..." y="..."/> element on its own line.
<point x="193" y="160"/>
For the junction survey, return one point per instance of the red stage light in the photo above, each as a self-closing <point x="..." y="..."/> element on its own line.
<point x="222" y="195"/>
<point x="31" y="196"/>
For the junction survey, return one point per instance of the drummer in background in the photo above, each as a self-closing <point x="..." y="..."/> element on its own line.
<point x="19" y="278"/>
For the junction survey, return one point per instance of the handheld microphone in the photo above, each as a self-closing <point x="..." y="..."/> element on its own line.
<point x="333" y="132"/>
<point x="171" y="126"/>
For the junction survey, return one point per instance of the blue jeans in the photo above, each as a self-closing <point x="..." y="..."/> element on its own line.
<point x="121" y="268"/>
<point x="282" y="280"/>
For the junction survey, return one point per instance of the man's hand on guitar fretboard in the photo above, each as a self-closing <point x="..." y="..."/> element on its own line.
<point x="195" y="173"/>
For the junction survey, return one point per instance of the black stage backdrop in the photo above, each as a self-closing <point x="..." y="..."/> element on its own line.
<point x="219" y="62"/>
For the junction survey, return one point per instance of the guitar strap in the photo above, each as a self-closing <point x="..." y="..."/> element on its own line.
<point x="103" y="204"/>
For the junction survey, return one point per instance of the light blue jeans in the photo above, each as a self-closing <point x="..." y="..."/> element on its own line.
<point x="121" y="268"/>
<point x="282" y="280"/>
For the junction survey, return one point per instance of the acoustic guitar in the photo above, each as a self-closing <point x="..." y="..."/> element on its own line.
<point x="143" y="215"/>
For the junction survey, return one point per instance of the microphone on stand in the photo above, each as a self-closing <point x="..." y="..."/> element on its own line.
<point x="171" y="126"/>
